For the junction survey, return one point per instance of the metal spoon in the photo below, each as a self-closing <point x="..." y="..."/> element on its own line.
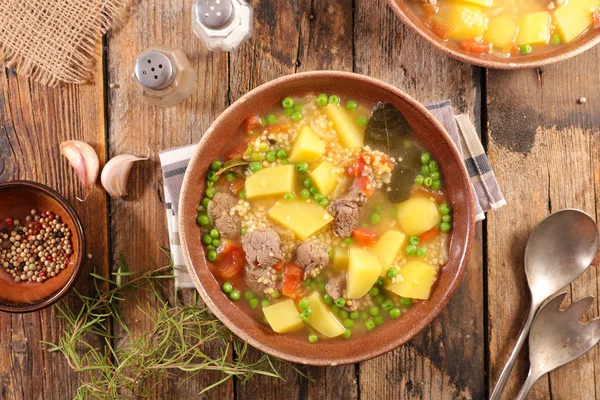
<point x="559" y="249"/>
<point x="557" y="338"/>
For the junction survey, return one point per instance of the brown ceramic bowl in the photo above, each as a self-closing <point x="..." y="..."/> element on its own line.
<point x="581" y="44"/>
<point x="17" y="199"/>
<point x="391" y="334"/>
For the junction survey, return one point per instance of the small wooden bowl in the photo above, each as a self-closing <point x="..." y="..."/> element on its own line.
<point x="561" y="53"/>
<point x="391" y="334"/>
<point x="17" y="199"/>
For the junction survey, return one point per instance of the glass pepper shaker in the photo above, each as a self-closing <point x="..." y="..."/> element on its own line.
<point x="164" y="76"/>
<point x="222" y="24"/>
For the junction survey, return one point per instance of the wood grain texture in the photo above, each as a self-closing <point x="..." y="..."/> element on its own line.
<point x="34" y="120"/>
<point x="544" y="148"/>
<point x="446" y="359"/>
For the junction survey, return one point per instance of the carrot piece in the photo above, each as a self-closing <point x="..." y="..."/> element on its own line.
<point x="430" y="9"/>
<point x="230" y="260"/>
<point x="440" y="27"/>
<point x="292" y="281"/>
<point x="430" y="234"/>
<point x="278" y="128"/>
<point x="251" y="123"/>
<point x="236" y="151"/>
<point x="474" y="46"/>
<point x="364" y="237"/>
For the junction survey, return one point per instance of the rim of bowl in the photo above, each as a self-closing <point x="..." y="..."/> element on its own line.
<point x="189" y="223"/>
<point x="578" y="46"/>
<point x="47" y="191"/>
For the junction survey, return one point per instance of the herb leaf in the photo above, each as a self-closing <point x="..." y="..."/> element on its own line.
<point x="232" y="165"/>
<point x="386" y="128"/>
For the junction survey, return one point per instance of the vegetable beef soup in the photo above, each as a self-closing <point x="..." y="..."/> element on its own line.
<point x="325" y="217"/>
<point x="508" y="28"/>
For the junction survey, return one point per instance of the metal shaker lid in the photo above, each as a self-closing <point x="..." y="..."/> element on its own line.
<point x="214" y="14"/>
<point x="154" y="70"/>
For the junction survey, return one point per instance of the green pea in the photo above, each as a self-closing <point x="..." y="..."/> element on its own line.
<point x="242" y="194"/>
<point x="525" y="49"/>
<point x="446" y="218"/>
<point x="370" y="325"/>
<point x="235" y="295"/>
<point x="324" y="203"/>
<point x="206" y="239"/>
<point x="328" y="299"/>
<point x="253" y="303"/>
<point x="419" y="179"/>
<point x="205" y="202"/>
<point x="380" y="281"/>
<point x="445" y="227"/>
<point x="312" y="338"/>
<point x="257" y="156"/>
<point x="444" y="209"/>
<point x="297" y="107"/>
<point x="282" y="153"/>
<point x="202" y="220"/>
<point x="214" y="234"/>
<point x="210" y="192"/>
<point x="362" y="120"/>
<point x="271" y="119"/>
<point x="428" y="182"/>
<point x="347" y="334"/>
<point x="348" y="323"/>
<point x="289" y="196"/>
<point x="200" y="208"/>
<point x="305" y="194"/>
<point x="405" y="301"/>
<point x="425" y="170"/>
<point x="379" y="299"/>
<point x="348" y="240"/>
<point x="375" y="218"/>
<point x="425" y="158"/>
<point x="275" y="295"/>
<point x="555" y="39"/>
<point x="421" y="252"/>
<point x="333" y="99"/>
<point x="307" y="311"/>
<point x="244" y="230"/>
<point x="374" y="291"/>
<point x="288" y="111"/>
<point x="335" y="308"/>
<point x="255" y="166"/>
<point x="318" y="197"/>
<point x="351" y="105"/>
<point x="307" y="182"/>
<point x="271" y="156"/>
<point x="265" y="303"/>
<point x="435" y="175"/>
<point x="296" y="116"/>
<point x="378" y="320"/>
<point x="210" y="184"/>
<point x="216" y="243"/>
<point x="387" y="305"/>
<point x="394" y="312"/>
<point x="264" y="146"/>
<point x="344" y="314"/>
<point x="411" y="249"/>
<point x="319" y="278"/>
<point x="304" y="318"/>
<point x="211" y="246"/>
<point x="216" y="165"/>
<point x="287" y="102"/>
<point x="302" y="167"/>
<point x="263" y="121"/>
<point x="212" y="255"/>
<point x="314" y="190"/>
<point x="322" y="100"/>
<point x="227" y="287"/>
<point x="354" y="314"/>
<point x="391" y="273"/>
<point x="436" y="185"/>
<point x="433" y="166"/>
<point x="413" y="240"/>
<point x="340" y="302"/>
<point x="230" y="176"/>
<point x="364" y="315"/>
<point x="248" y="294"/>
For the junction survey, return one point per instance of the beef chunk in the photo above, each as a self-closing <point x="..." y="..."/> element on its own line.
<point x="259" y="280"/>
<point x="345" y="214"/>
<point x="336" y="288"/>
<point x="311" y="256"/>
<point x="229" y="226"/>
<point x="262" y="248"/>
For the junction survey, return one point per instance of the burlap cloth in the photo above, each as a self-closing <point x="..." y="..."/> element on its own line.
<point x="55" y="40"/>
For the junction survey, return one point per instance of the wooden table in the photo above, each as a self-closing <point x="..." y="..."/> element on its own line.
<point x="543" y="145"/>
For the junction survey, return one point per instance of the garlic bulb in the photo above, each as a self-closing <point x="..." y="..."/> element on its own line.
<point x="83" y="159"/>
<point x="115" y="174"/>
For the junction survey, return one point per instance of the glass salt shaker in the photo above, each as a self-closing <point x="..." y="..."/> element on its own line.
<point x="222" y="24"/>
<point x="164" y="76"/>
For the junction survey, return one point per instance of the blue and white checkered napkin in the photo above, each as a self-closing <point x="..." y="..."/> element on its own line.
<point x="464" y="135"/>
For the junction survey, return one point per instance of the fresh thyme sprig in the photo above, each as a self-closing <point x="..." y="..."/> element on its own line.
<point x="175" y="342"/>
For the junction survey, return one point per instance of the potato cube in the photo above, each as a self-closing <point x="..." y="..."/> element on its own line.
<point x="501" y="31"/>
<point x="325" y="178"/>
<point x="321" y="317"/>
<point x="418" y="279"/>
<point x="340" y="258"/>
<point x="271" y="181"/>
<point x="467" y="21"/>
<point x="417" y="215"/>
<point x="573" y="18"/>
<point x="363" y="271"/>
<point x="387" y="248"/>
<point x="302" y="218"/>
<point x="283" y="316"/>
<point x="350" y="134"/>
<point x="308" y="147"/>
<point x="534" y="28"/>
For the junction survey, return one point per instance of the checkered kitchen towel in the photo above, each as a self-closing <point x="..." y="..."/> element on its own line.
<point x="487" y="192"/>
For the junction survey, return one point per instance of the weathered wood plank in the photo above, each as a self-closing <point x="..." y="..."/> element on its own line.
<point x="138" y="225"/>
<point x="446" y="359"/>
<point x="544" y="148"/>
<point x="34" y="120"/>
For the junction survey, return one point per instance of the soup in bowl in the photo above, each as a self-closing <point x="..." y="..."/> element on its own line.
<point x="333" y="211"/>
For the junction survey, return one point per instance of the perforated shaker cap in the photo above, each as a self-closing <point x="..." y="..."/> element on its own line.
<point x="154" y="70"/>
<point x="214" y="14"/>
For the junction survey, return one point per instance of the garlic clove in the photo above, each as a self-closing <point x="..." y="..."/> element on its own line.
<point x="83" y="159"/>
<point x="116" y="173"/>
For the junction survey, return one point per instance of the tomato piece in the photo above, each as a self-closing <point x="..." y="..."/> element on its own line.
<point x="237" y="185"/>
<point x="440" y="27"/>
<point x="357" y="167"/>
<point x="292" y="281"/>
<point x="475" y="46"/>
<point x="278" y="128"/>
<point x="430" y="234"/>
<point x="251" y="123"/>
<point x="366" y="185"/>
<point x="364" y="237"/>
<point x="230" y="260"/>
<point x="236" y="151"/>
<point x="278" y="266"/>
<point x="514" y="50"/>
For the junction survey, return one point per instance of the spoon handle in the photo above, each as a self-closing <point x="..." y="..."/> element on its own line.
<point x="527" y="386"/>
<point x="513" y="356"/>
